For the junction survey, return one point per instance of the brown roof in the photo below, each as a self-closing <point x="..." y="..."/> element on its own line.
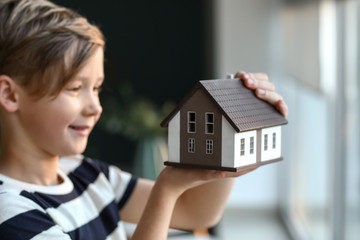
<point x="239" y="105"/>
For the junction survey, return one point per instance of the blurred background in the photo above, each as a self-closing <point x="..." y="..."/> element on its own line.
<point x="157" y="50"/>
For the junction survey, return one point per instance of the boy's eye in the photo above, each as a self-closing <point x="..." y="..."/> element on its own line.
<point x="74" y="88"/>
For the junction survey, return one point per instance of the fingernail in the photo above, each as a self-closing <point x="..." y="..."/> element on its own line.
<point x="250" y="82"/>
<point x="261" y="92"/>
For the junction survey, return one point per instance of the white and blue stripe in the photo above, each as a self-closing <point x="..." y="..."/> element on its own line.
<point x="85" y="206"/>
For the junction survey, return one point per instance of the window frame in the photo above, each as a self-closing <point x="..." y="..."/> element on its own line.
<point x="252" y="145"/>
<point x="209" y="146"/>
<point x="266" y="140"/>
<point x="274" y="140"/>
<point x="207" y="123"/>
<point x="191" y="122"/>
<point x="242" y="147"/>
<point x="191" y="145"/>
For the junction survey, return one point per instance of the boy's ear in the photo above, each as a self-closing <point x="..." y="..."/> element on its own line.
<point x="8" y="95"/>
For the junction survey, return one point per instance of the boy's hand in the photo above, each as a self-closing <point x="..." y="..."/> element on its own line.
<point x="177" y="180"/>
<point x="264" y="89"/>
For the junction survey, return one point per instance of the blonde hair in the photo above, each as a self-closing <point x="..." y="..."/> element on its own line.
<point x="42" y="45"/>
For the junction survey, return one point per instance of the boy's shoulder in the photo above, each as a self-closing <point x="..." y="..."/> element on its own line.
<point x="13" y="203"/>
<point x="7" y="192"/>
<point x="18" y="198"/>
<point x="9" y="196"/>
<point x="22" y="217"/>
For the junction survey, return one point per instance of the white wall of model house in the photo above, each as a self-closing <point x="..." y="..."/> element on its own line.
<point x="240" y="149"/>
<point x="231" y="146"/>
<point x="174" y="138"/>
<point x="243" y="155"/>
<point x="273" y="138"/>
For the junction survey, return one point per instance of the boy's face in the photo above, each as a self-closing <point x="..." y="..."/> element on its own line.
<point x="61" y="126"/>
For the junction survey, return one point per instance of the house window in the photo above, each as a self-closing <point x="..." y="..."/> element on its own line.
<point x="191" y="147"/>
<point x="265" y="142"/>
<point x="209" y="146"/>
<point x="191" y="122"/>
<point x="242" y="147"/>
<point x="274" y="140"/>
<point x="209" y="122"/>
<point x="251" y="145"/>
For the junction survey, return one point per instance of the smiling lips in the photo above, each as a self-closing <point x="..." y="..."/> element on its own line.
<point x="82" y="130"/>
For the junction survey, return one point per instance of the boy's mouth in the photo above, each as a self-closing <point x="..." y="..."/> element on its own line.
<point x="81" y="130"/>
<point x="78" y="127"/>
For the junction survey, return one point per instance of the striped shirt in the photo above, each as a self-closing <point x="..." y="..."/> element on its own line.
<point x="85" y="205"/>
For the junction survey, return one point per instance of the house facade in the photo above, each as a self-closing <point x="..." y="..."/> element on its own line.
<point x="249" y="148"/>
<point x="220" y="125"/>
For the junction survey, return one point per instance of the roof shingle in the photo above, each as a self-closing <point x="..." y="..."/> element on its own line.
<point x="240" y="106"/>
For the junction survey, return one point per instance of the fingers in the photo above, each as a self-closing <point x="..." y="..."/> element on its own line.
<point x="199" y="176"/>
<point x="282" y="107"/>
<point x="258" y="76"/>
<point x="222" y="174"/>
<point x="274" y="99"/>
<point x="264" y="89"/>
<point x="256" y="80"/>
<point x="269" y="96"/>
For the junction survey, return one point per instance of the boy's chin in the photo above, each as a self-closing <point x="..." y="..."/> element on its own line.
<point x="73" y="152"/>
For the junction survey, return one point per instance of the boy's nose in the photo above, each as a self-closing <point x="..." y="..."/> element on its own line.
<point x="96" y="108"/>
<point x="93" y="106"/>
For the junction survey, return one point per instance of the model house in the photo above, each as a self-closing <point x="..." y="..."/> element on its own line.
<point x="222" y="125"/>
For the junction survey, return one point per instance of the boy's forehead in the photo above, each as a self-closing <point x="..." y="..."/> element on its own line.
<point x="93" y="67"/>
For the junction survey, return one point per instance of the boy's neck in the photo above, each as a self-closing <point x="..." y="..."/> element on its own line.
<point x="42" y="172"/>
<point x="20" y="160"/>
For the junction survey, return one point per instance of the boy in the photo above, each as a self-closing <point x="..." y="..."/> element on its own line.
<point x="51" y="71"/>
